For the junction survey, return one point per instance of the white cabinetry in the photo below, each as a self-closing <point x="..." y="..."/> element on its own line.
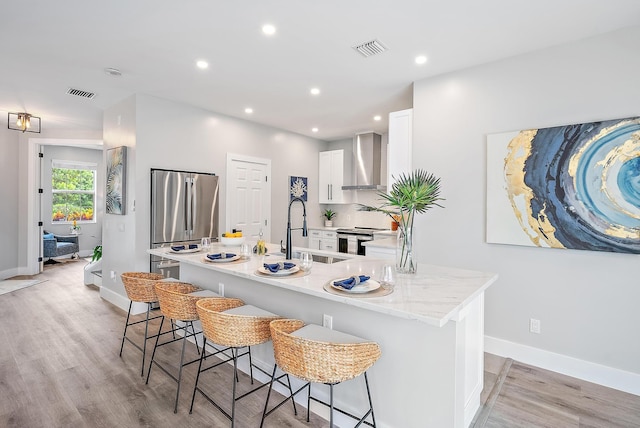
<point x="399" y="148"/>
<point x="323" y="240"/>
<point x="331" y="177"/>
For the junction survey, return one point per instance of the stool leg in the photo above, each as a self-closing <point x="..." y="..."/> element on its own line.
<point x="366" y="381"/>
<point x="295" y="410"/>
<point x="153" y="354"/>
<point x="233" y="354"/>
<point x="308" y="401"/>
<point x="144" y="345"/>
<point x="195" y="386"/>
<point x="184" y="342"/>
<point x="195" y="339"/>
<point x="250" y="366"/>
<point x="331" y="405"/>
<point x="233" y="402"/>
<point x="126" y="324"/>
<point x="266" y="403"/>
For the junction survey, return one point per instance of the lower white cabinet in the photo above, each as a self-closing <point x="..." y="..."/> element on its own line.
<point x="383" y="253"/>
<point x="323" y="240"/>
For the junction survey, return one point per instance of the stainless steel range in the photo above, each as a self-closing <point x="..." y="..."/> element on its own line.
<point x="350" y="240"/>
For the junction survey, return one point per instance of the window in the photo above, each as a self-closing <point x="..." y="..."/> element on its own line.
<point x="73" y="191"/>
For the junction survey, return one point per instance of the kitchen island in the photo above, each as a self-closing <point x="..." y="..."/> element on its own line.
<point x="430" y="330"/>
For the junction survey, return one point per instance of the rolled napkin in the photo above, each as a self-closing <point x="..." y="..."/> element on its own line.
<point x="351" y="282"/>
<point x="219" y="256"/>
<point x="275" y="267"/>
<point x="182" y="247"/>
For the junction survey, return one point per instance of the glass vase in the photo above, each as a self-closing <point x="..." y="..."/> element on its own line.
<point x="405" y="258"/>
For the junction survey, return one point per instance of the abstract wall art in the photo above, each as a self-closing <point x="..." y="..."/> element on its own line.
<point x="298" y="188"/>
<point x="116" y="180"/>
<point x="573" y="186"/>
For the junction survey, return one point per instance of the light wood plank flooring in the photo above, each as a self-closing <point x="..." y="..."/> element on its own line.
<point x="59" y="367"/>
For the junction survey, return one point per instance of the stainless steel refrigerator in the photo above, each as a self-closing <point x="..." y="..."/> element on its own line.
<point x="184" y="209"/>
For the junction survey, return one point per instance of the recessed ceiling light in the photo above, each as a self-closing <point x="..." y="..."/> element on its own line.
<point x="248" y="110"/>
<point x="421" y="59"/>
<point x="113" y="72"/>
<point x="201" y="64"/>
<point x="269" y="29"/>
<point x="314" y="129"/>
<point x="377" y="118"/>
<point x="315" y="91"/>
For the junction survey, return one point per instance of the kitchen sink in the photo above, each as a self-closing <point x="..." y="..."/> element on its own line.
<point x="320" y="258"/>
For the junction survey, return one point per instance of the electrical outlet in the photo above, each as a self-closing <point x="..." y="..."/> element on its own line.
<point x="327" y="321"/>
<point x="534" y="326"/>
<point x="113" y="275"/>
<point x="221" y="289"/>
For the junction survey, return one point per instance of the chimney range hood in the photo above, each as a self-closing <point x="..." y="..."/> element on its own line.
<point x="367" y="159"/>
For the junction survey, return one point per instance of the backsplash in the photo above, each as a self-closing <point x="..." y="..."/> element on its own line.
<point x="349" y="216"/>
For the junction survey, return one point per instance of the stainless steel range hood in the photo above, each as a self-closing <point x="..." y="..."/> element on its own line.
<point x="367" y="160"/>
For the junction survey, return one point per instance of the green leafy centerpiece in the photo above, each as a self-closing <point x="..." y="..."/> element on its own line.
<point x="410" y="194"/>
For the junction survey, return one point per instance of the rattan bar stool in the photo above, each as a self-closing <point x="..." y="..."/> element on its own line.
<point x="230" y="323"/>
<point x="320" y="355"/>
<point x="140" y="288"/>
<point x="178" y="303"/>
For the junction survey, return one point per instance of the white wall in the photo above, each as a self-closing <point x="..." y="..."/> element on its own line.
<point x="91" y="233"/>
<point x="119" y="231"/>
<point x="9" y="202"/>
<point x="587" y="301"/>
<point x="169" y="135"/>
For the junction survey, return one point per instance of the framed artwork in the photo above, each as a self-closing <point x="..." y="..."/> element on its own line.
<point x="572" y="186"/>
<point x="116" y="180"/>
<point x="298" y="188"/>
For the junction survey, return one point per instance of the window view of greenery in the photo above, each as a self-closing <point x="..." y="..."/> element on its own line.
<point x="73" y="195"/>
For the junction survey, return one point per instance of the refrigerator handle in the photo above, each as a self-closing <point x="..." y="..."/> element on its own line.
<point x="187" y="214"/>
<point x="191" y="210"/>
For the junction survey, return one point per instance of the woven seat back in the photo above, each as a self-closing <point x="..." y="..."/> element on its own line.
<point x="175" y="301"/>
<point x="231" y="329"/>
<point x="139" y="286"/>
<point x="319" y="362"/>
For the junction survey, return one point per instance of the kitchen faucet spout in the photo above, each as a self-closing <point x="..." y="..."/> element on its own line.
<point x="304" y="224"/>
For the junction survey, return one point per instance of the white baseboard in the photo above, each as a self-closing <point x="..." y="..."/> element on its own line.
<point x="10" y="273"/>
<point x="122" y="301"/>
<point x="570" y="366"/>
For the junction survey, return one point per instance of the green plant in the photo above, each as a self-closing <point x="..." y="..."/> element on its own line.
<point x="410" y="194"/>
<point x="329" y="214"/>
<point x="97" y="253"/>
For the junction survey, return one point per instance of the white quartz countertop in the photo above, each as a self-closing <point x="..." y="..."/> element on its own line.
<point x="435" y="295"/>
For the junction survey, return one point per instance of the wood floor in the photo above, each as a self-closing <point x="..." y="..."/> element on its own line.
<point x="519" y="395"/>
<point x="59" y="367"/>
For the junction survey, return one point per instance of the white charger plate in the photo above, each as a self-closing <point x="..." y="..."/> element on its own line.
<point x="185" y="251"/>
<point x="282" y="272"/>
<point x="365" y="287"/>
<point x="225" y="260"/>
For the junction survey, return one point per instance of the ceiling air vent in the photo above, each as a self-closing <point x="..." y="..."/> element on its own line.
<point x="80" y="93"/>
<point x="373" y="47"/>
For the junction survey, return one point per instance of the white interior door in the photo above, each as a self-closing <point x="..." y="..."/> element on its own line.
<point x="249" y="196"/>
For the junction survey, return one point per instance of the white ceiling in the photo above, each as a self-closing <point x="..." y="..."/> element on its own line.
<point x="49" y="46"/>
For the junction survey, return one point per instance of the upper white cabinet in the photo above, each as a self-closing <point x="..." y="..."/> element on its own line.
<point x="400" y="141"/>
<point x="331" y="177"/>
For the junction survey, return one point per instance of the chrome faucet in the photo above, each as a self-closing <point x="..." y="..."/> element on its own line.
<point x="304" y="224"/>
